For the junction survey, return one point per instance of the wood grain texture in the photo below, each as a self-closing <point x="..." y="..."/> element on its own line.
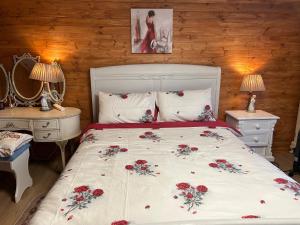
<point x="241" y="36"/>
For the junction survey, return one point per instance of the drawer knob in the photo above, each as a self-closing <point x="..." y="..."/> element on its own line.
<point x="256" y="139"/>
<point x="48" y="135"/>
<point x="47" y="124"/>
<point x="257" y="126"/>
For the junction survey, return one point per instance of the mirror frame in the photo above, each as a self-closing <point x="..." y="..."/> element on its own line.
<point x="60" y="95"/>
<point x="4" y="99"/>
<point x="17" y="96"/>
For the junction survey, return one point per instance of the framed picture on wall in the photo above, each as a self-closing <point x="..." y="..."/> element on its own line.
<point x="151" y="30"/>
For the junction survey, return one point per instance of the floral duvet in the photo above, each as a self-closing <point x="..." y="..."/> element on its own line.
<point x="179" y="175"/>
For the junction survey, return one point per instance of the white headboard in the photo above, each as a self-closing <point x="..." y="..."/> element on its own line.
<point x="154" y="77"/>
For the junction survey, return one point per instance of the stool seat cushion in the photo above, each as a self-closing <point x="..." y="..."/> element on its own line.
<point x="16" y="153"/>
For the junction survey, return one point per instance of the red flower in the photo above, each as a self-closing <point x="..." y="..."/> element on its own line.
<point x="180" y="93"/>
<point x="194" y="149"/>
<point x="148" y="133"/>
<point x="123" y="149"/>
<point x="114" y="146"/>
<point x="221" y="161"/>
<point x="213" y="165"/>
<point x="250" y="217"/>
<point x="124" y="96"/>
<point x="228" y="165"/>
<point x="140" y="161"/>
<point x="202" y="188"/>
<point x="79" y="198"/>
<point x="129" y="167"/>
<point x="142" y="136"/>
<point x="207" y="107"/>
<point x="206" y="132"/>
<point x="183" y="186"/>
<point x="281" y="181"/>
<point x="148" y="112"/>
<point x="182" y="146"/>
<point x="70" y="217"/>
<point x="143" y="167"/>
<point x="189" y="195"/>
<point x="98" y="192"/>
<point x="81" y="189"/>
<point x="120" y="222"/>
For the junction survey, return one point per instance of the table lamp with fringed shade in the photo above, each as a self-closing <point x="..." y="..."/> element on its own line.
<point x="46" y="73"/>
<point x="252" y="83"/>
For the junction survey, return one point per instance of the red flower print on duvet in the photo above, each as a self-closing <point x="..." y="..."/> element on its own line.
<point x="208" y="133"/>
<point x="141" y="167"/>
<point x="89" y="138"/>
<point x="288" y="185"/>
<point x="250" y="217"/>
<point x="150" y="135"/>
<point x="184" y="150"/>
<point x="223" y="164"/>
<point x="192" y="196"/>
<point x="112" y="150"/>
<point x="81" y="197"/>
<point x="120" y="222"/>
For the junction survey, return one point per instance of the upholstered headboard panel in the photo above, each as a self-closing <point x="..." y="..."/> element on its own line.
<point x="154" y="77"/>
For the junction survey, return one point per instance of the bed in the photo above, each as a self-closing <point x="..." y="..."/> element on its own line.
<point x="182" y="173"/>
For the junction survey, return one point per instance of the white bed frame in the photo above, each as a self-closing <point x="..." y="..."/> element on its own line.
<point x="154" y="77"/>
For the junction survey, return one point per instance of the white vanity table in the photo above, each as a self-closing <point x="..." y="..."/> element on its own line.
<point x="52" y="126"/>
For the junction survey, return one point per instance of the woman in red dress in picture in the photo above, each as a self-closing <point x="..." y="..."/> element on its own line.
<point x="148" y="44"/>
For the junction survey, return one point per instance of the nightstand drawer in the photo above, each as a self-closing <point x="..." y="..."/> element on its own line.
<point x="259" y="150"/>
<point x="44" y="136"/>
<point x="256" y="139"/>
<point x="254" y="125"/>
<point x="14" y="125"/>
<point x="46" y="124"/>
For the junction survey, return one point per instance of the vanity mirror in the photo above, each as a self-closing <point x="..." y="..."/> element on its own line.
<point x="57" y="90"/>
<point x="24" y="90"/>
<point x="18" y="89"/>
<point x="4" y="84"/>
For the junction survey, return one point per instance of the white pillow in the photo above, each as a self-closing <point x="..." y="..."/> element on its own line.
<point x="11" y="141"/>
<point x="126" y="108"/>
<point x="189" y="105"/>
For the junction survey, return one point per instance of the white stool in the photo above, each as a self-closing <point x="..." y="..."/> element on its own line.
<point x="18" y="164"/>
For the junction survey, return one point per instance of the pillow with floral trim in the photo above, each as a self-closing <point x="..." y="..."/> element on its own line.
<point x="189" y="105"/>
<point x="126" y="107"/>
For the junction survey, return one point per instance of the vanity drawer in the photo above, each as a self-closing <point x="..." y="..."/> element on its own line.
<point x="46" y="135"/>
<point x="256" y="139"/>
<point x="254" y="125"/>
<point x="14" y="125"/>
<point x="46" y="124"/>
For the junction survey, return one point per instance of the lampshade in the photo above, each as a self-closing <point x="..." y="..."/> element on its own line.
<point x="47" y="73"/>
<point x="253" y="83"/>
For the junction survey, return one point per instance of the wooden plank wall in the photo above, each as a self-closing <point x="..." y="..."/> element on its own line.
<point x="246" y="36"/>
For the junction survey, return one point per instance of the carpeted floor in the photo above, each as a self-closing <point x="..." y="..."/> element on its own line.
<point x="30" y="210"/>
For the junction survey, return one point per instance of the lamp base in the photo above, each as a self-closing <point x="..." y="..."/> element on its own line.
<point x="251" y="104"/>
<point x="253" y="111"/>
<point x="45" y="102"/>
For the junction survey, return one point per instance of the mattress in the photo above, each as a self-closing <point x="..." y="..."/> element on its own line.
<point x="198" y="174"/>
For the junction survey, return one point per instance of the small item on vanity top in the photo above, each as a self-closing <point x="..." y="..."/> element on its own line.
<point x="2" y="105"/>
<point x="59" y="107"/>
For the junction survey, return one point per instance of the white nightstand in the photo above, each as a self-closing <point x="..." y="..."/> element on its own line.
<point x="52" y="126"/>
<point x="257" y="129"/>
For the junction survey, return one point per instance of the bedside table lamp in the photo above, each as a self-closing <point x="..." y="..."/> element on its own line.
<point x="46" y="73"/>
<point x="252" y="83"/>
